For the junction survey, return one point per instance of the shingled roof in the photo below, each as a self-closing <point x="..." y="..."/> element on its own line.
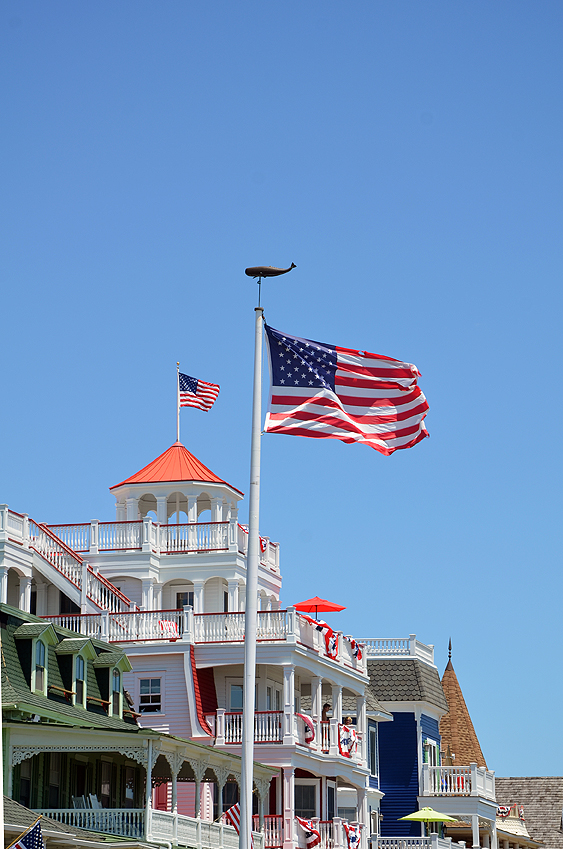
<point x="405" y="680"/>
<point x="542" y="800"/>
<point x="456" y="728"/>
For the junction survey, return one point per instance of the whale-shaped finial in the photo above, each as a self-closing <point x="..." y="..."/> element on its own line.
<point x="267" y="270"/>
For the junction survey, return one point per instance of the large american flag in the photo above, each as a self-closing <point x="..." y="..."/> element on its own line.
<point x="196" y="393"/>
<point x="325" y="391"/>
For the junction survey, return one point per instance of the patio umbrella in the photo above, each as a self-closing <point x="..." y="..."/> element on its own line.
<point x="428" y="815"/>
<point x="316" y="604"/>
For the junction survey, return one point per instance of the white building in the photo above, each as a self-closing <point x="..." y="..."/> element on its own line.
<point x="167" y="581"/>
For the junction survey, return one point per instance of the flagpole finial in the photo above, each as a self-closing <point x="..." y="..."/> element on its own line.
<point x="450" y="649"/>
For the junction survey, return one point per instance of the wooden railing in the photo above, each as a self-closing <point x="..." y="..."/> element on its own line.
<point x="229" y="627"/>
<point x="469" y="780"/>
<point x="431" y="842"/>
<point x="128" y="822"/>
<point x="272" y="830"/>
<point x="186" y="831"/>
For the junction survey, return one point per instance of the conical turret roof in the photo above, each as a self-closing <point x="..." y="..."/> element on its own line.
<point x="456" y="727"/>
<point x="176" y="464"/>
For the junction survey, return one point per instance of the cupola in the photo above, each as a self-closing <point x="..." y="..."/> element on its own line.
<point x="176" y="487"/>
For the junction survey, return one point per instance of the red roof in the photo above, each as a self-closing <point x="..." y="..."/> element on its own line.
<point x="176" y="464"/>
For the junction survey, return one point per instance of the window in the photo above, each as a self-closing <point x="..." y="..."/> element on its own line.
<point x="225" y="602"/>
<point x="236" y="697"/>
<point x="105" y="784"/>
<point x="25" y="782"/>
<point x="184" y="598"/>
<point x="150" y="696"/>
<point x="306" y="800"/>
<point x="116" y="693"/>
<point x="330" y="799"/>
<point x="372" y="750"/>
<point x="431" y="753"/>
<point x="79" y="683"/>
<point x="129" y="787"/>
<point x="273" y="697"/>
<point x="40" y="676"/>
<point x="54" y="779"/>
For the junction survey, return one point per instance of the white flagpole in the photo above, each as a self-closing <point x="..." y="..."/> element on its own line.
<point x="177" y="402"/>
<point x="251" y="611"/>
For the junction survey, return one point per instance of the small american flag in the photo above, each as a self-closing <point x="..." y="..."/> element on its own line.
<point x="312" y="834"/>
<point x="30" y="839"/>
<point x="232" y="816"/>
<point x="324" y="391"/>
<point x="196" y="393"/>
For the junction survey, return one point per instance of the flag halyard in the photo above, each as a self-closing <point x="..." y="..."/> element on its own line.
<point x="321" y="391"/>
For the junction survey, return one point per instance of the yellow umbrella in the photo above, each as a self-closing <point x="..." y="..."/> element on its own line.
<point x="428" y="815"/>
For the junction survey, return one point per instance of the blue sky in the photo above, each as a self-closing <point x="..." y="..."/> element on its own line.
<point x="407" y="157"/>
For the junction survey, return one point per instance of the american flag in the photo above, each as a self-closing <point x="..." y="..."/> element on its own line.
<point x="232" y="816"/>
<point x="312" y="834"/>
<point x="196" y="393"/>
<point x="30" y="839"/>
<point x="325" y="391"/>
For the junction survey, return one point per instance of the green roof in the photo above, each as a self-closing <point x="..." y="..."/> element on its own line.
<point x="70" y="646"/>
<point x="16" y="671"/>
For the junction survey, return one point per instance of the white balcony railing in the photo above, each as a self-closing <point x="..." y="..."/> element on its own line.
<point x="430" y="842"/>
<point x="127" y="626"/>
<point x="469" y="780"/>
<point x="397" y="647"/>
<point x="187" y="831"/>
<point x="267" y="727"/>
<point x="272" y="830"/>
<point x="188" y="538"/>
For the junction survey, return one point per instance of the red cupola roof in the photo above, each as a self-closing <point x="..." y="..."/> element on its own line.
<point x="176" y="464"/>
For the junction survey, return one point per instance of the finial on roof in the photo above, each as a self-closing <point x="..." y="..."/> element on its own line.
<point x="450" y="649"/>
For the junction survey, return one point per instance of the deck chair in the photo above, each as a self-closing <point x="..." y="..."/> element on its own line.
<point x="94" y="802"/>
<point x="78" y="802"/>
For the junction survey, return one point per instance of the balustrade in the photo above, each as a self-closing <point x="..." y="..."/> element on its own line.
<point x="128" y="822"/>
<point x="458" y="781"/>
<point x="76" y="537"/>
<point x="267" y="727"/>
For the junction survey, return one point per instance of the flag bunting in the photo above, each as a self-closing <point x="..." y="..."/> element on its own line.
<point x="312" y="834"/>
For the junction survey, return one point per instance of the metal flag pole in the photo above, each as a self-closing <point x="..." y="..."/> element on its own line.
<point x="177" y="402"/>
<point x="252" y="564"/>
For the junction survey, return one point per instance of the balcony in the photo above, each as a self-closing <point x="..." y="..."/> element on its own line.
<point x="162" y="826"/>
<point x="430" y="842"/>
<point x="397" y="647"/>
<point x="146" y="535"/>
<point x="207" y="629"/>
<point x="469" y="780"/>
<point x="277" y="727"/>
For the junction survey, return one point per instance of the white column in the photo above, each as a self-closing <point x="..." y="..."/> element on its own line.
<point x="288" y="807"/>
<point x="363" y="816"/>
<point x="25" y="593"/>
<point x="288" y="703"/>
<point x="337" y="702"/>
<point x="198" y="596"/>
<point x="4" y="584"/>
<point x="41" y="597"/>
<point x="317" y="708"/>
<point x="475" y="830"/>
<point x="120" y="511"/>
<point x="192" y="519"/>
<point x="161" y="509"/>
<point x="147" y="596"/>
<point x="132" y="509"/>
<point x="157" y="596"/>
<point x="361" y="726"/>
<point x="233" y="596"/>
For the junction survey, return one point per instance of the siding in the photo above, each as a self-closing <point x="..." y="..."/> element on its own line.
<point x="175" y="719"/>
<point x="429" y="727"/>
<point x="398" y="775"/>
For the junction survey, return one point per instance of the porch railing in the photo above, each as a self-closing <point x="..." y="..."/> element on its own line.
<point x="187" y="831"/>
<point x="129" y="822"/>
<point x="267" y="726"/>
<point x="229" y="627"/>
<point x="272" y="830"/>
<point x="469" y="780"/>
<point x="431" y="842"/>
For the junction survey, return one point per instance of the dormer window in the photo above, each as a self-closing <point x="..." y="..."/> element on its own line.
<point x="40" y="669"/>
<point x="116" y="693"/>
<point x="79" y="681"/>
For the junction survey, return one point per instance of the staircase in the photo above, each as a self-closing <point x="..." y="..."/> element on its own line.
<point x="58" y="564"/>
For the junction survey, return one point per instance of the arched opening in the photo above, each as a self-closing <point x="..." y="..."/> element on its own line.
<point x="177" y="593"/>
<point x="147" y="506"/>
<point x="177" y="509"/>
<point x="216" y="595"/>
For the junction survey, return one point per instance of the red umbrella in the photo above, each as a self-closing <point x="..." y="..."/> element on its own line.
<point x="317" y="604"/>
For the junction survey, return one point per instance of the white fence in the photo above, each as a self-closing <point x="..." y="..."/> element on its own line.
<point x="397" y="647"/>
<point x="469" y="780"/>
<point x="128" y="822"/>
<point x="267" y="726"/>
<point x="187" y="831"/>
<point x="431" y="842"/>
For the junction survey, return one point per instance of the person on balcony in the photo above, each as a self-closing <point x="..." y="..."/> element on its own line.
<point x="326" y="709"/>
